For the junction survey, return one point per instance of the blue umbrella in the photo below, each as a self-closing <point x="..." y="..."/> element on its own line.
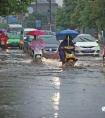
<point x="70" y="32"/>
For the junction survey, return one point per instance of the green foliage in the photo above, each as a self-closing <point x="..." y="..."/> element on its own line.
<point x="85" y="14"/>
<point x="98" y="13"/>
<point x="76" y="15"/>
<point x="82" y="13"/>
<point x="64" y="14"/>
<point x="60" y="17"/>
<point x="8" y="7"/>
<point x="69" y="7"/>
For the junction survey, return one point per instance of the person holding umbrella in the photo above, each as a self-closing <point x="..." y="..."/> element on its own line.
<point x="36" y="42"/>
<point x="68" y="41"/>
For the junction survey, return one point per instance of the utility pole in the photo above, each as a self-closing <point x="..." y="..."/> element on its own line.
<point x="36" y="6"/>
<point x="50" y="14"/>
<point x="21" y="13"/>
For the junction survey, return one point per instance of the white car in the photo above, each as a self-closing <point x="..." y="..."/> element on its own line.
<point x="26" y="30"/>
<point x="85" y="44"/>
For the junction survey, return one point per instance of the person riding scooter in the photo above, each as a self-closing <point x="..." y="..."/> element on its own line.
<point x="3" y="40"/>
<point x="68" y="41"/>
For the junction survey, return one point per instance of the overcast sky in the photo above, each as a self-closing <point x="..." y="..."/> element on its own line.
<point x="59" y="2"/>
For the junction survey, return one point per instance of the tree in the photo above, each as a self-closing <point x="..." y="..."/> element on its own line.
<point x="69" y="7"/>
<point x="60" y="17"/>
<point x="98" y="13"/>
<point x="65" y="13"/>
<point x="82" y="13"/>
<point x="8" y="7"/>
<point x="86" y="15"/>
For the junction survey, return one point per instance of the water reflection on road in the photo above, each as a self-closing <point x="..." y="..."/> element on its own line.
<point x="29" y="90"/>
<point x="56" y="96"/>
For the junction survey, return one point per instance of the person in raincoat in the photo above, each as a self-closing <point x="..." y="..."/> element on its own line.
<point x="37" y="44"/>
<point x="68" y="41"/>
<point x="3" y="39"/>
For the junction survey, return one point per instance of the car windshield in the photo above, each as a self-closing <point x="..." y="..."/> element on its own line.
<point x="49" y="39"/>
<point x="13" y="35"/>
<point x="85" y="38"/>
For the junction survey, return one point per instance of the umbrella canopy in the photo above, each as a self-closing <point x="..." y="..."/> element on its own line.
<point x="36" y="32"/>
<point x="70" y="32"/>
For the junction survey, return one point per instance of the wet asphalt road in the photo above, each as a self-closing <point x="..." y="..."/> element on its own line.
<point x="29" y="90"/>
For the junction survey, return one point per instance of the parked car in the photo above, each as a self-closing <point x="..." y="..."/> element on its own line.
<point x="13" y="39"/>
<point x="51" y="47"/>
<point x="85" y="44"/>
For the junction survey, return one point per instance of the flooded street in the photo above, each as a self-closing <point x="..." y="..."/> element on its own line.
<point x="29" y="90"/>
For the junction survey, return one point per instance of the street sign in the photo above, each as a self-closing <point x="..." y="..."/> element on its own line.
<point x="12" y="19"/>
<point x="38" y="23"/>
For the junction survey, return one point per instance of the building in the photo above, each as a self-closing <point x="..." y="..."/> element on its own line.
<point x="43" y="7"/>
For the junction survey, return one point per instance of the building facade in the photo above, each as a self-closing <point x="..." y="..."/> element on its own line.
<point x="43" y="7"/>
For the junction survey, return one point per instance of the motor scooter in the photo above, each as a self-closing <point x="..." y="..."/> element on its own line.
<point x="37" y="55"/>
<point x="70" y="58"/>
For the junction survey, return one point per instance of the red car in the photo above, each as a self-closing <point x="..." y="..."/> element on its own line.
<point x="3" y="40"/>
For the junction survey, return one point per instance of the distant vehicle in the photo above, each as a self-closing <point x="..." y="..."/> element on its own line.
<point x="85" y="44"/>
<point x="13" y="39"/>
<point x="15" y="27"/>
<point x="26" y="30"/>
<point x="51" y="47"/>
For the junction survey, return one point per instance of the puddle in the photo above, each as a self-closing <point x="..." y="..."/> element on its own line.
<point x="36" y="90"/>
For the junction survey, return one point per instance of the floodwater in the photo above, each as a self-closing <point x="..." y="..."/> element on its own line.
<point x="29" y="90"/>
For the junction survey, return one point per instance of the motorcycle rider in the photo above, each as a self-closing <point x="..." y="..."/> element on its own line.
<point x="68" y="41"/>
<point x="3" y="39"/>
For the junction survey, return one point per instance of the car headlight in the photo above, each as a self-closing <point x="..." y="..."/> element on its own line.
<point x="97" y="47"/>
<point x="77" y="48"/>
